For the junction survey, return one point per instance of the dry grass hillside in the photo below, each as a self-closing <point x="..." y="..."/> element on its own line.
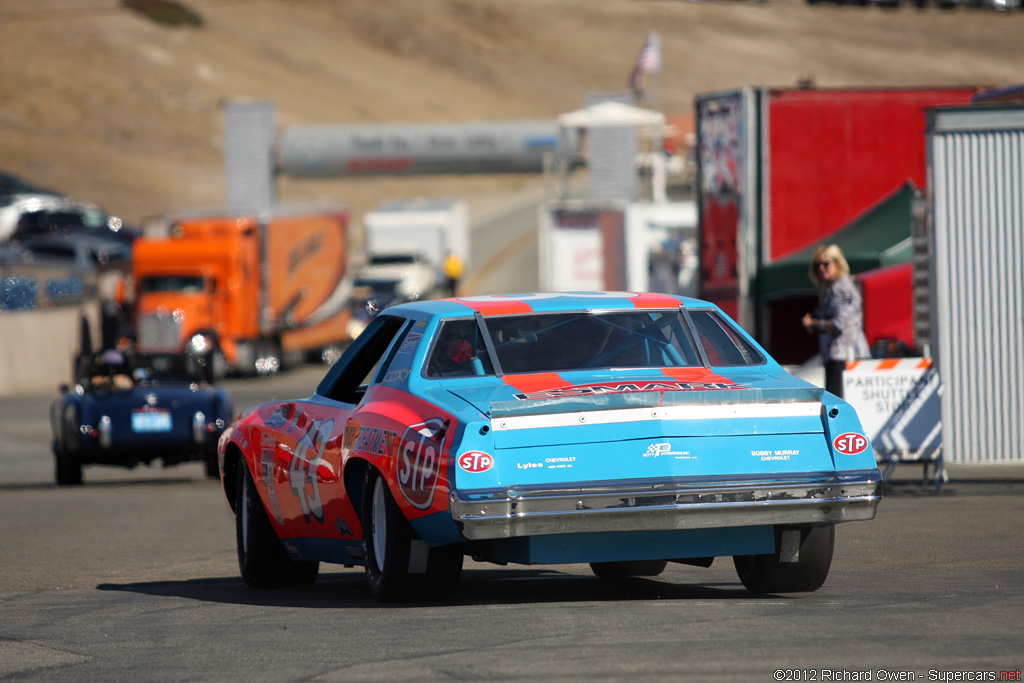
<point x="109" y="106"/>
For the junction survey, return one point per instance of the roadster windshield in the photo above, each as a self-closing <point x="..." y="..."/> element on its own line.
<point x="559" y="342"/>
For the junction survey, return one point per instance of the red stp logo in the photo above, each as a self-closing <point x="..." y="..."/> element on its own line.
<point x="419" y="461"/>
<point x="476" y="461"/>
<point x="850" y="443"/>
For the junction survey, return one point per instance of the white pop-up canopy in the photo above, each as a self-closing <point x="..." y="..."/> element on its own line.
<point x="611" y="114"/>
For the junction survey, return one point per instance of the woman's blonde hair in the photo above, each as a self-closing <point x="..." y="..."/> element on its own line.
<point x="828" y="252"/>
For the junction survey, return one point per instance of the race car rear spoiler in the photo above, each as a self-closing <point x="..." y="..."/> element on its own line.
<point x="587" y="399"/>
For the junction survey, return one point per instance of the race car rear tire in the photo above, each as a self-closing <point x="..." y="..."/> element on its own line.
<point x="67" y="466"/>
<point x="262" y="559"/>
<point x="769" y="574"/>
<point x="621" y="570"/>
<point x="400" y="566"/>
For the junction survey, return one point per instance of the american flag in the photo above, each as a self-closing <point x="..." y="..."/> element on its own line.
<point x="648" y="61"/>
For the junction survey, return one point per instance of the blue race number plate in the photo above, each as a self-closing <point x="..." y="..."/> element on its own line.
<point x="151" y="421"/>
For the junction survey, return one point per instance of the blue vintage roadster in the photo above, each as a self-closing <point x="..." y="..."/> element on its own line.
<point x="126" y="410"/>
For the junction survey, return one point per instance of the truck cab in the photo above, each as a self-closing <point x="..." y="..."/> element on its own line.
<point x="198" y="294"/>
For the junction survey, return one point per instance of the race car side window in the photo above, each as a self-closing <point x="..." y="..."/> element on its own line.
<point x="459" y="351"/>
<point x="345" y="381"/>
<point x="723" y="344"/>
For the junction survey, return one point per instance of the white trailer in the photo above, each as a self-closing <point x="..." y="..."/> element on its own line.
<point x="592" y="244"/>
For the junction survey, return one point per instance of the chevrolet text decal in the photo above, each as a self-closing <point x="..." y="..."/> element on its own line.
<point x="627" y="388"/>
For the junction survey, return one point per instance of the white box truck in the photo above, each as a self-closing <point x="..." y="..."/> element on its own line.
<point x="407" y="243"/>
<point x="432" y="228"/>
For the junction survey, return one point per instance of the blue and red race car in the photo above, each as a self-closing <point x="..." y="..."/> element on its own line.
<point x="618" y="429"/>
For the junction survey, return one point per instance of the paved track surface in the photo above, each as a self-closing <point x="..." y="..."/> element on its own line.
<point x="133" y="576"/>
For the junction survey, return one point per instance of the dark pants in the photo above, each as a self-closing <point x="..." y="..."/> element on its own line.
<point x="834" y="376"/>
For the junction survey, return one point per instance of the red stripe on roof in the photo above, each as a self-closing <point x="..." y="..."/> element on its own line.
<point x="695" y="375"/>
<point x="497" y="306"/>
<point x="651" y="300"/>
<point x="536" y="381"/>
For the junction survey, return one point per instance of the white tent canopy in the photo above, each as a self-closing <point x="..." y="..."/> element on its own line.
<point x="611" y="114"/>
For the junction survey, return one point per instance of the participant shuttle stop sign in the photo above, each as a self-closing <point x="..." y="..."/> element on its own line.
<point x="897" y="400"/>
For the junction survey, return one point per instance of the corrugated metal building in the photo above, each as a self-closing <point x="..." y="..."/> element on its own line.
<point x="976" y="278"/>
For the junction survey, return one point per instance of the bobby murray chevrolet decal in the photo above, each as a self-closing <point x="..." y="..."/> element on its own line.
<point x="626" y="388"/>
<point x="775" y="454"/>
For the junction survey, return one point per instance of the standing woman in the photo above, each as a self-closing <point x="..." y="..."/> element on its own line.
<point x="839" y="316"/>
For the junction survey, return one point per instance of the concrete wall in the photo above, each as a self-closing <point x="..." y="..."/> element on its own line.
<point x="38" y="348"/>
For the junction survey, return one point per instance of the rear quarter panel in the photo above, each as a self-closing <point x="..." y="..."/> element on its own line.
<point x="293" y="450"/>
<point x="411" y="441"/>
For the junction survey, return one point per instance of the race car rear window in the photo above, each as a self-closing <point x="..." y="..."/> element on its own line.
<point x="561" y="342"/>
<point x="722" y="343"/>
<point x="557" y="342"/>
<point x="584" y="341"/>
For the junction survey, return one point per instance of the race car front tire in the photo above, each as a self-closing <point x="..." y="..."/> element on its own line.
<point x="800" y="563"/>
<point x="400" y="566"/>
<point x="262" y="559"/>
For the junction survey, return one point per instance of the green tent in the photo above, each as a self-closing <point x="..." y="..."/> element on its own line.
<point x="878" y="237"/>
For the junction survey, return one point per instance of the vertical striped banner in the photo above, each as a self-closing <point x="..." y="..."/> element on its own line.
<point x="976" y="175"/>
<point x="249" y="155"/>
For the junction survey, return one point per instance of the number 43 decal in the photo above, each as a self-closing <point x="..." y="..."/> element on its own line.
<point x="302" y="471"/>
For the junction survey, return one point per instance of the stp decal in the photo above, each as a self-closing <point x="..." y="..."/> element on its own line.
<point x="850" y="443"/>
<point x="419" y="461"/>
<point x="476" y="461"/>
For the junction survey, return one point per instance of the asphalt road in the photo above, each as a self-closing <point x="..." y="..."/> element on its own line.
<point x="133" y="576"/>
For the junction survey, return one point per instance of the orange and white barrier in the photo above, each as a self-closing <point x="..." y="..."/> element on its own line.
<point x="897" y="400"/>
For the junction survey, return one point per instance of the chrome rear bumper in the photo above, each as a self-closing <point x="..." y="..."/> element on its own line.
<point x="685" y="503"/>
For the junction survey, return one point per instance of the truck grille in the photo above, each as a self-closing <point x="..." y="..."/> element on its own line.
<point x="159" y="332"/>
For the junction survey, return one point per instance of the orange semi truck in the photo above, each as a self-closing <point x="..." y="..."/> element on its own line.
<point x="244" y="293"/>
